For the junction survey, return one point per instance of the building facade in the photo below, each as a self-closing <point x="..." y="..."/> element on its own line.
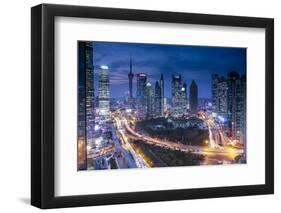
<point x="236" y="94"/>
<point x="221" y="107"/>
<point x="220" y="99"/>
<point x="158" y="100"/>
<point x="104" y="93"/>
<point x="141" y="95"/>
<point x="241" y="110"/>
<point x="162" y="94"/>
<point x="193" y="97"/>
<point x="86" y="111"/>
<point x="184" y="98"/>
<point x="149" y="100"/>
<point x="176" y="95"/>
<point x="215" y="79"/>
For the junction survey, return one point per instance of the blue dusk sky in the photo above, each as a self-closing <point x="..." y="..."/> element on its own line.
<point x="192" y="62"/>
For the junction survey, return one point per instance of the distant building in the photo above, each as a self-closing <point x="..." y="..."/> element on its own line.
<point x="86" y="111"/>
<point x="176" y="95"/>
<point x="141" y="94"/>
<point x="130" y="77"/>
<point x="193" y="97"/>
<point x="158" y="100"/>
<point x="162" y="94"/>
<point x="104" y="95"/>
<point x="184" y="98"/>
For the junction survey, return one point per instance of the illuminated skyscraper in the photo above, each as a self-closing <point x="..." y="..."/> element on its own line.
<point x="165" y="104"/>
<point x="141" y="94"/>
<point x="229" y="103"/>
<point x="184" y="98"/>
<point x="221" y="98"/>
<point x="232" y="86"/>
<point x="236" y="94"/>
<point x="130" y="77"/>
<point x="104" y="95"/>
<point x="149" y="100"/>
<point x="141" y="84"/>
<point x="176" y="95"/>
<point x="241" y="110"/>
<point x="162" y="94"/>
<point x="86" y="115"/>
<point x="158" y="100"/>
<point x="193" y="97"/>
<point x="215" y="80"/>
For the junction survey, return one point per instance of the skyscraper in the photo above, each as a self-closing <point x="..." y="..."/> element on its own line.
<point x="141" y="84"/>
<point x="221" y="98"/>
<point x="141" y="94"/>
<point x="193" y="97"/>
<point x="130" y="77"/>
<point x="229" y="102"/>
<point x="149" y="100"/>
<point x="104" y="95"/>
<point x="158" y="100"/>
<point x="176" y="95"/>
<point x="86" y="115"/>
<point x="165" y="104"/>
<point x="162" y="94"/>
<point x="241" y="110"/>
<point x="233" y="102"/>
<point x="184" y="98"/>
<point x="244" y="109"/>
<point x="215" y="79"/>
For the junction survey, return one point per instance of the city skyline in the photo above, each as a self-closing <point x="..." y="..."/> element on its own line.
<point x="192" y="62"/>
<point x="163" y="122"/>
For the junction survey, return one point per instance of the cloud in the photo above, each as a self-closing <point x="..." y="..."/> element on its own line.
<point x="118" y="77"/>
<point x="191" y="62"/>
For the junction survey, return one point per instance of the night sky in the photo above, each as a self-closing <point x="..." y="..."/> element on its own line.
<point x="192" y="62"/>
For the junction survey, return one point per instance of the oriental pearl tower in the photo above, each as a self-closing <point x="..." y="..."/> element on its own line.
<point x="130" y="77"/>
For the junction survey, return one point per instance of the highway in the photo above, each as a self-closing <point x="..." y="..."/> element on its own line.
<point x="119" y="148"/>
<point x="138" y="159"/>
<point x="214" y="148"/>
<point x="213" y="152"/>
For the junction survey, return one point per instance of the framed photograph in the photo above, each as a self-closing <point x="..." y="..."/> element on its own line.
<point x="139" y="106"/>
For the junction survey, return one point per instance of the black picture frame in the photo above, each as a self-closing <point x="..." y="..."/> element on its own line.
<point x="43" y="102"/>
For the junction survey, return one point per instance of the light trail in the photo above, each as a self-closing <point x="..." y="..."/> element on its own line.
<point x="211" y="140"/>
<point x="139" y="161"/>
<point x="213" y="153"/>
<point x="181" y="147"/>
